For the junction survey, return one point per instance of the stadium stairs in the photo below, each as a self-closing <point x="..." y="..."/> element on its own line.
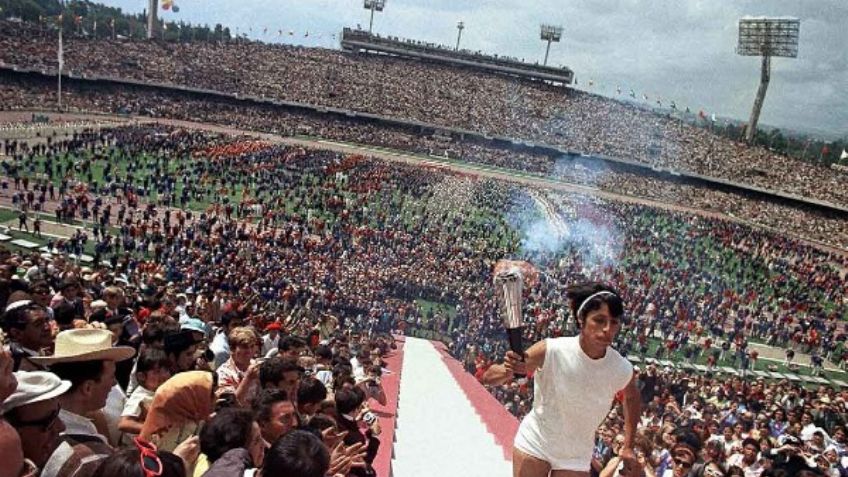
<point x="447" y="423"/>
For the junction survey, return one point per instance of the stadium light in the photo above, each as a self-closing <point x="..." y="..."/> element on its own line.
<point x="459" y="26"/>
<point x="550" y="33"/>
<point x="374" y="6"/>
<point x="766" y="37"/>
<point x="152" y="12"/>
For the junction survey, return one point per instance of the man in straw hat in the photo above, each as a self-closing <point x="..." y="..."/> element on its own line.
<point x="86" y="358"/>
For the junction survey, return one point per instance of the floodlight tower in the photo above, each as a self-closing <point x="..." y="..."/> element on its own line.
<point x="550" y="33"/>
<point x="374" y="6"/>
<point x="459" y="26"/>
<point x="152" y="11"/>
<point x="766" y="37"/>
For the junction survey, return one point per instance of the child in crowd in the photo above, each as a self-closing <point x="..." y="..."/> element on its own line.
<point x="152" y="369"/>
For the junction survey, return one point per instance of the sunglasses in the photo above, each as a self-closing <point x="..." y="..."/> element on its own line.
<point x="149" y="459"/>
<point x="44" y="424"/>
<point x="682" y="463"/>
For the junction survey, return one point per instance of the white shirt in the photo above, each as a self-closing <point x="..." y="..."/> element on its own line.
<point x="560" y="428"/>
<point x="140" y="396"/>
<point x="753" y="470"/>
<point x="269" y="343"/>
<point x="79" y="425"/>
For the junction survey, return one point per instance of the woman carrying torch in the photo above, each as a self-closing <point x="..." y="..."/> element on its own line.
<point x="576" y="380"/>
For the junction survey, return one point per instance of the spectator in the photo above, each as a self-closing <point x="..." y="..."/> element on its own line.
<point x="180" y="406"/>
<point x="232" y="442"/>
<point x="86" y="358"/>
<point x="28" y="328"/>
<point x="275" y="414"/>
<point x="152" y="370"/>
<point x="239" y="375"/>
<point x="141" y="461"/>
<point x="297" y="454"/>
<point x="33" y="409"/>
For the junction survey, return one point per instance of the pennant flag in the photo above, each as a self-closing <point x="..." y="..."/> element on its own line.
<point x="713" y="118"/>
<point x="844" y="155"/>
<point x="575" y="81"/>
<point x="306" y="34"/>
<point x="279" y="32"/>
<point x="632" y="94"/>
<point x="673" y="105"/>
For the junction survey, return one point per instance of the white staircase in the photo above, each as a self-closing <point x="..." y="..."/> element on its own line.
<point x="438" y="431"/>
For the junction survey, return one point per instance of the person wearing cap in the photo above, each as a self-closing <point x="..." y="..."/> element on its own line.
<point x="271" y="338"/>
<point x="27" y="325"/>
<point x="33" y="409"/>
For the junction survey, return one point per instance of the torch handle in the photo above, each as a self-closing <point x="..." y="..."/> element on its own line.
<point x="516" y="344"/>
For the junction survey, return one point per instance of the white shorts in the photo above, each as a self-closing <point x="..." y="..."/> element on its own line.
<point x="559" y="456"/>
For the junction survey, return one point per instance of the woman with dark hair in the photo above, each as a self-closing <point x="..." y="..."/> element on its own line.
<point x="576" y="379"/>
<point x="142" y="460"/>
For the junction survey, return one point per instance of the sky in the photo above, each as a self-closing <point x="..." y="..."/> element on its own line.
<point x="680" y="50"/>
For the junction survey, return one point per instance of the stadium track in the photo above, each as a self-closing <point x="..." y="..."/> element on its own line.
<point x="514" y="176"/>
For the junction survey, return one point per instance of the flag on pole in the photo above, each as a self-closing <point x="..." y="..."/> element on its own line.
<point x="713" y="118"/>
<point x="632" y="94"/>
<point x="844" y="155"/>
<point x="306" y="34"/>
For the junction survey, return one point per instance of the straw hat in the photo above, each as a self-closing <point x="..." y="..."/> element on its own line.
<point x="85" y="345"/>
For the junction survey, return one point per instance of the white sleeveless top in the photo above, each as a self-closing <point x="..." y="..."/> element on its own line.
<point x="572" y="396"/>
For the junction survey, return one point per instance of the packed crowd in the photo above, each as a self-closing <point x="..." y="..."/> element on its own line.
<point x="285" y="270"/>
<point x="803" y="222"/>
<point x="432" y="93"/>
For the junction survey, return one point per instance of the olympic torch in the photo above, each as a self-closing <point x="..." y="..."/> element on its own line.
<point x="509" y="280"/>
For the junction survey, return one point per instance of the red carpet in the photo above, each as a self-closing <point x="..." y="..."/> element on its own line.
<point x="388" y="413"/>
<point x="499" y="422"/>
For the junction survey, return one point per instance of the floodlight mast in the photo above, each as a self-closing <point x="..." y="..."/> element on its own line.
<point x="152" y="21"/>
<point x="374" y="6"/>
<point x="550" y="33"/>
<point x="766" y="37"/>
<point x="459" y="26"/>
